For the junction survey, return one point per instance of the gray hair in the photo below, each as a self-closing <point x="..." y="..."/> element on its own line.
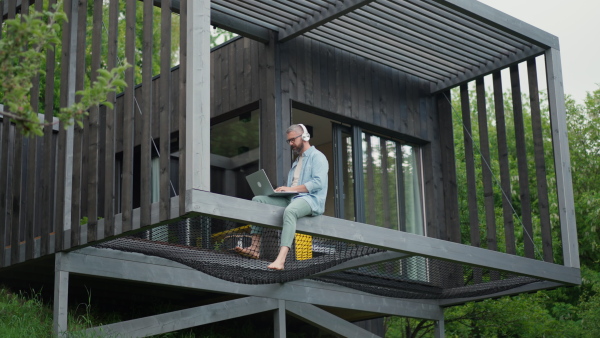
<point x="296" y="128"/>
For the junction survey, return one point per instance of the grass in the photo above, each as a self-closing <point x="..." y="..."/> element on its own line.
<point x="24" y="315"/>
<point x="27" y="314"/>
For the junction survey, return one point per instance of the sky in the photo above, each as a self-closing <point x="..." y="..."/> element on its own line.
<point x="576" y="23"/>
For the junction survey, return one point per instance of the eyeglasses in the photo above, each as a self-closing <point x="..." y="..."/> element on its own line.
<point x="290" y="140"/>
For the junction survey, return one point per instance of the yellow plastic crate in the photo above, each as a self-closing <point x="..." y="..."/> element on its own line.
<point x="303" y="247"/>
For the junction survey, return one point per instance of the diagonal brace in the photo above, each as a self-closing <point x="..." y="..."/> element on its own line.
<point x="325" y="320"/>
<point x="183" y="319"/>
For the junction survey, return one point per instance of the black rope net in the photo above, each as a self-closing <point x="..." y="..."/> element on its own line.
<point x="235" y="252"/>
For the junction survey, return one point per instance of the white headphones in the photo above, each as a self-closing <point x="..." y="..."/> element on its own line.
<point x="305" y="135"/>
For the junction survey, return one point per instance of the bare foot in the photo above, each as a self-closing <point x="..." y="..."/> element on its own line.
<point x="275" y="266"/>
<point x="247" y="252"/>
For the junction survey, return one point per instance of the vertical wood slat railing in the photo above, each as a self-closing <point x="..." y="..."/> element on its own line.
<point x="48" y="204"/>
<point x="486" y="160"/>
<point x="471" y="184"/>
<point x="30" y="196"/>
<point x="110" y="127"/>
<point x="3" y="161"/>
<point x="165" y="111"/>
<point x="499" y="175"/>
<point x="182" y="102"/>
<point x="540" y="164"/>
<point x="78" y="151"/>
<point x="47" y="179"/>
<point x="503" y="161"/>
<point x="147" y="93"/>
<point x="522" y="161"/>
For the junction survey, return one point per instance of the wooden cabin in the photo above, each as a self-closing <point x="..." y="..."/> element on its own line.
<point x="373" y="81"/>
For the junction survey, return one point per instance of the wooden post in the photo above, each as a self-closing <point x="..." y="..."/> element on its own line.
<point x="562" y="162"/>
<point x="279" y="320"/>
<point x="197" y="154"/>
<point x="61" y="296"/>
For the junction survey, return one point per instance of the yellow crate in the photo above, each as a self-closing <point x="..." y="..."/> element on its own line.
<point x="303" y="247"/>
<point x="222" y="234"/>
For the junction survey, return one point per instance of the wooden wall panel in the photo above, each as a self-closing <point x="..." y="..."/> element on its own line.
<point x="451" y="225"/>
<point x="354" y="87"/>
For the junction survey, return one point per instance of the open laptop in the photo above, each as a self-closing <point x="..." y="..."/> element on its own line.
<point x="260" y="185"/>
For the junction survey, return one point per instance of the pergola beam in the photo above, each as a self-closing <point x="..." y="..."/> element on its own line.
<point x="229" y="20"/>
<point x="502" y="21"/>
<point x="239" y="26"/>
<point x="491" y="67"/>
<point x="331" y="13"/>
<point x="225" y="207"/>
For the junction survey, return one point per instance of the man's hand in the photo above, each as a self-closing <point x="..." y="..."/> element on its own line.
<point x="298" y="188"/>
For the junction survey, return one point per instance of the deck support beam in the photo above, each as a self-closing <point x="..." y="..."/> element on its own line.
<point x="279" y="320"/>
<point x="325" y="320"/>
<point x="61" y="295"/>
<point x="156" y="270"/>
<point x="439" y="331"/>
<point x="188" y="318"/>
<point x="240" y="210"/>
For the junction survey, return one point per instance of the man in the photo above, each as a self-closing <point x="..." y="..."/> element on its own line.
<point x="307" y="177"/>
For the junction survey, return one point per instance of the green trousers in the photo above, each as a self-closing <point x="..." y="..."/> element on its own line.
<point x="294" y="209"/>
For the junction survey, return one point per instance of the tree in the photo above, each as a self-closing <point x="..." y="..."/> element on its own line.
<point x="22" y="53"/>
<point x="566" y="311"/>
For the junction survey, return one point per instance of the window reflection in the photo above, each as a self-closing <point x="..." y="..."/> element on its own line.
<point x="392" y="194"/>
<point x="234" y="148"/>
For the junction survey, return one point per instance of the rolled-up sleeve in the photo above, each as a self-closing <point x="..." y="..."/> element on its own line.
<point x="320" y="168"/>
<point x="314" y="176"/>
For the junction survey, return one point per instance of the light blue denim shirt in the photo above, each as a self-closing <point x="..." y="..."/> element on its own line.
<point x="313" y="175"/>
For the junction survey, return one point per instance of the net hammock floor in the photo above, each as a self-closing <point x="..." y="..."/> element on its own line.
<point x="208" y="245"/>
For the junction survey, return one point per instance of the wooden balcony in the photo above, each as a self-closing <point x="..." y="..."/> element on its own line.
<point x="73" y="190"/>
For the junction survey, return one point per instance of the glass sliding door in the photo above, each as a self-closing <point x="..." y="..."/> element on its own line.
<point x="378" y="182"/>
<point x="411" y="191"/>
<point x="379" y="158"/>
<point x="343" y="173"/>
<point x="392" y="193"/>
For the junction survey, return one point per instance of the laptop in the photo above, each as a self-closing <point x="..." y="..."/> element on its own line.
<point x="260" y="185"/>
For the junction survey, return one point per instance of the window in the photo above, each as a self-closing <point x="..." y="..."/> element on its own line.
<point x="387" y="190"/>
<point x="234" y="154"/>
<point x="374" y="179"/>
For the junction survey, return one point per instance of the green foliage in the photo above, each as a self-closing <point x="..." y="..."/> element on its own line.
<point x="22" y="51"/>
<point x="219" y="36"/>
<point x="22" y="56"/>
<point x="106" y="82"/>
<point x="584" y="141"/>
<point x="564" y="312"/>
